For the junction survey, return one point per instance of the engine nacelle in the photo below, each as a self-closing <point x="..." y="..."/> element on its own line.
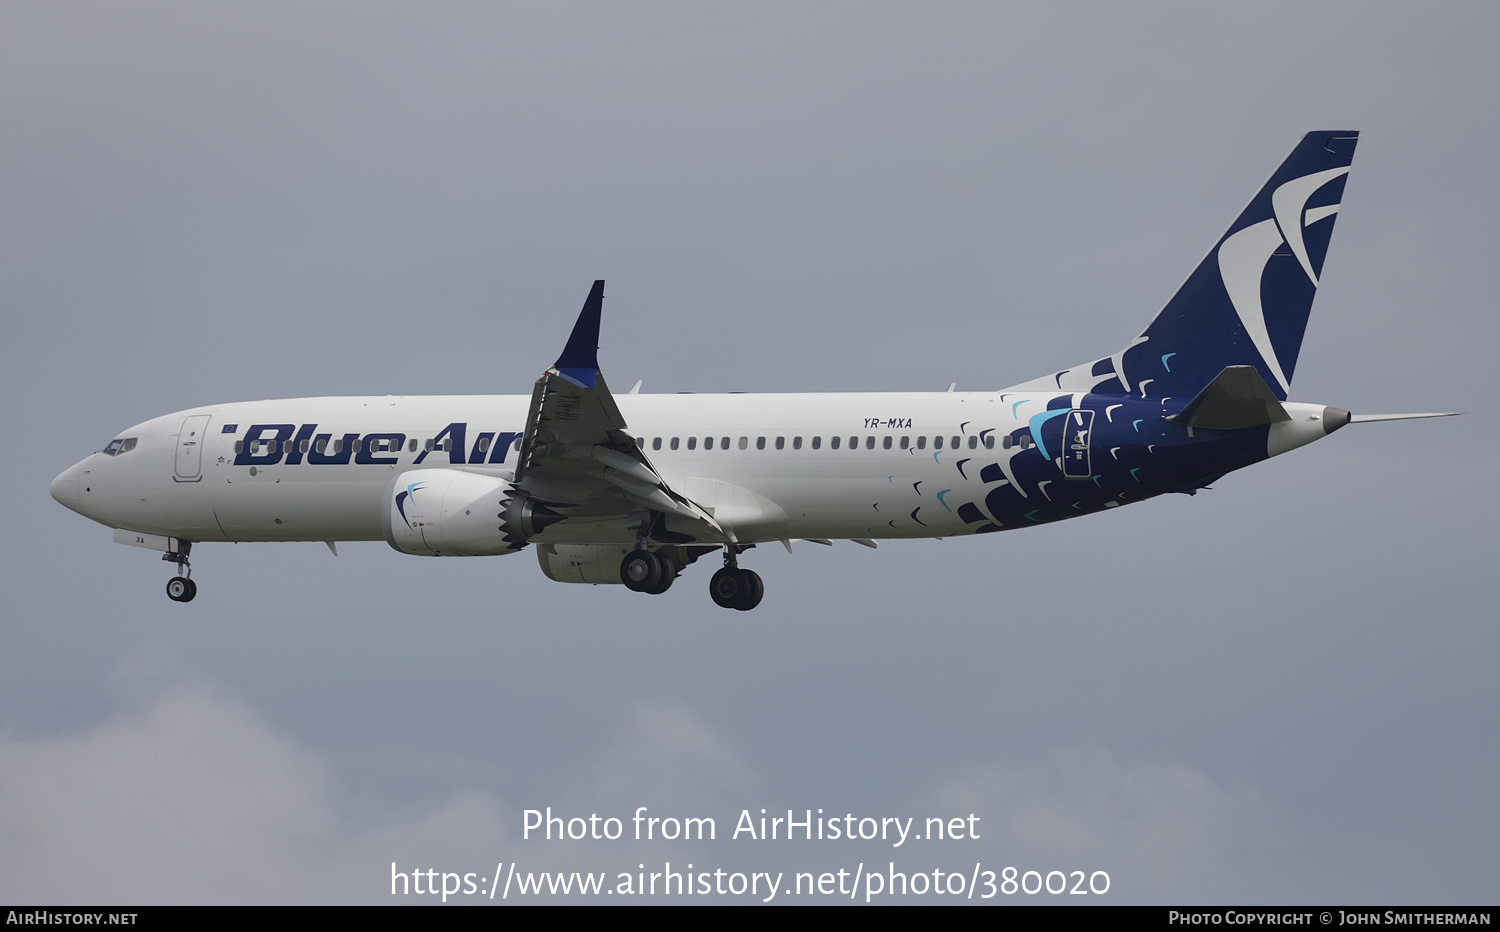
<point x="452" y="513"/>
<point x="582" y="563"/>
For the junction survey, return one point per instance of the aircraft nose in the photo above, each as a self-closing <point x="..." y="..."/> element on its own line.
<point x="65" y="488"/>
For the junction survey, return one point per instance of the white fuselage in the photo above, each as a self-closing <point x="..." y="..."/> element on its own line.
<point x="781" y="474"/>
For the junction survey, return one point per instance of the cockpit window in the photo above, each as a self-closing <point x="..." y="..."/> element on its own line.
<point x="122" y="445"/>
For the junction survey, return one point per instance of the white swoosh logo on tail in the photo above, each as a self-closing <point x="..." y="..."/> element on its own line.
<point x="1288" y="201"/>
<point x="1242" y="260"/>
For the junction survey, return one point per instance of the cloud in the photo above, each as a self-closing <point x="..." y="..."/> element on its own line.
<point x="190" y="796"/>
<point x="665" y="755"/>
<point x="1163" y="832"/>
<point x="187" y="795"/>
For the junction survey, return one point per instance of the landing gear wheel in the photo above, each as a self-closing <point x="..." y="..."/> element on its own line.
<point x="735" y="588"/>
<point x="181" y="589"/>
<point x="754" y="592"/>
<point x="668" y="573"/>
<point x="725" y="587"/>
<point x="641" y="570"/>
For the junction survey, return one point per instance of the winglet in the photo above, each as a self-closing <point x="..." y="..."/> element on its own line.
<point x="579" y="362"/>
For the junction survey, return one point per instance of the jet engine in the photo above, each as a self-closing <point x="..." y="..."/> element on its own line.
<point x="583" y="563"/>
<point x="452" y="513"/>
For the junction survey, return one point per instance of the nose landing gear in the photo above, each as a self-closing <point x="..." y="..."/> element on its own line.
<point x="181" y="588"/>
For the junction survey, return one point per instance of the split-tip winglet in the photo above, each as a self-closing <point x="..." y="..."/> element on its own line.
<point x="580" y="357"/>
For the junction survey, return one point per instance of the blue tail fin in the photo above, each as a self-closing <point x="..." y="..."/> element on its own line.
<point x="1247" y="302"/>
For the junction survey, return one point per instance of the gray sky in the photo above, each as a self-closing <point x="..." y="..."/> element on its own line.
<point x="1281" y="690"/>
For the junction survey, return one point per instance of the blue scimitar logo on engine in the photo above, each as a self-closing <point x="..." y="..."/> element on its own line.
<point x="401" y="498"/>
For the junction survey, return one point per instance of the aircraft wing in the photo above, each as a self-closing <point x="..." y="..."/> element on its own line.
<point x="577" y="454"/>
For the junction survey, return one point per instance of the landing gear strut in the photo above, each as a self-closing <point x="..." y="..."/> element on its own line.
<point x="732" y="587"/>
<point x="181" y="588"/>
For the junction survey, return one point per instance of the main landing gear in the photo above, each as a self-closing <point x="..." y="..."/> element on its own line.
<point x="644" y="571"/>
<point x="652" y="572"/>
<point x="732" y="587"/>
<point x="181" y="588"/>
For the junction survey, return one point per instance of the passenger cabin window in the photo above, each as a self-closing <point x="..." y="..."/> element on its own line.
<point x="760" y="443"/>
<point x="922" y="442"/>
<point x="973" y="441"/>
<point x="781" y="443"/>
<point x="744" y="443"/>
<point x="656" y="443"/>
<point x="989" y="442"/>
<point x="796" y="443"/>
<point x="870" y="443"/>
<point x="886" y="443"/>
<point x="321" y="445"/>
<point x="692" y="443"/>
<point x="428" y="445"/>
<point x="956" y="442"/>
<point x="817" y="442"/>
<point x="833" y="442"/>
<point x="484" y="444"/>
<point x="937" y="443"/>
<point x="905" y="442"/>
<point x="853" y="443"/>
<point x="302" y="447"/>
<point x="674" y="443"/>
<point x="239" y="447"/>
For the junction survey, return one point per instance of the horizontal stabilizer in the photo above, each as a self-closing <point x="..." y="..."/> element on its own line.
<point x="1237" y="398"/>
<point x="1360" y="418"/>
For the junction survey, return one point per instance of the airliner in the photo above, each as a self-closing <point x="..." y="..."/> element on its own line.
<point x="633" y="488"/>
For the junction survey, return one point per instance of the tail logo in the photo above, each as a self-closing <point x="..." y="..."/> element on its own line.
<point x="1243" y="256"/>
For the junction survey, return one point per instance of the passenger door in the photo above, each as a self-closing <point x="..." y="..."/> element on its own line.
<point x="189" y="464"/>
